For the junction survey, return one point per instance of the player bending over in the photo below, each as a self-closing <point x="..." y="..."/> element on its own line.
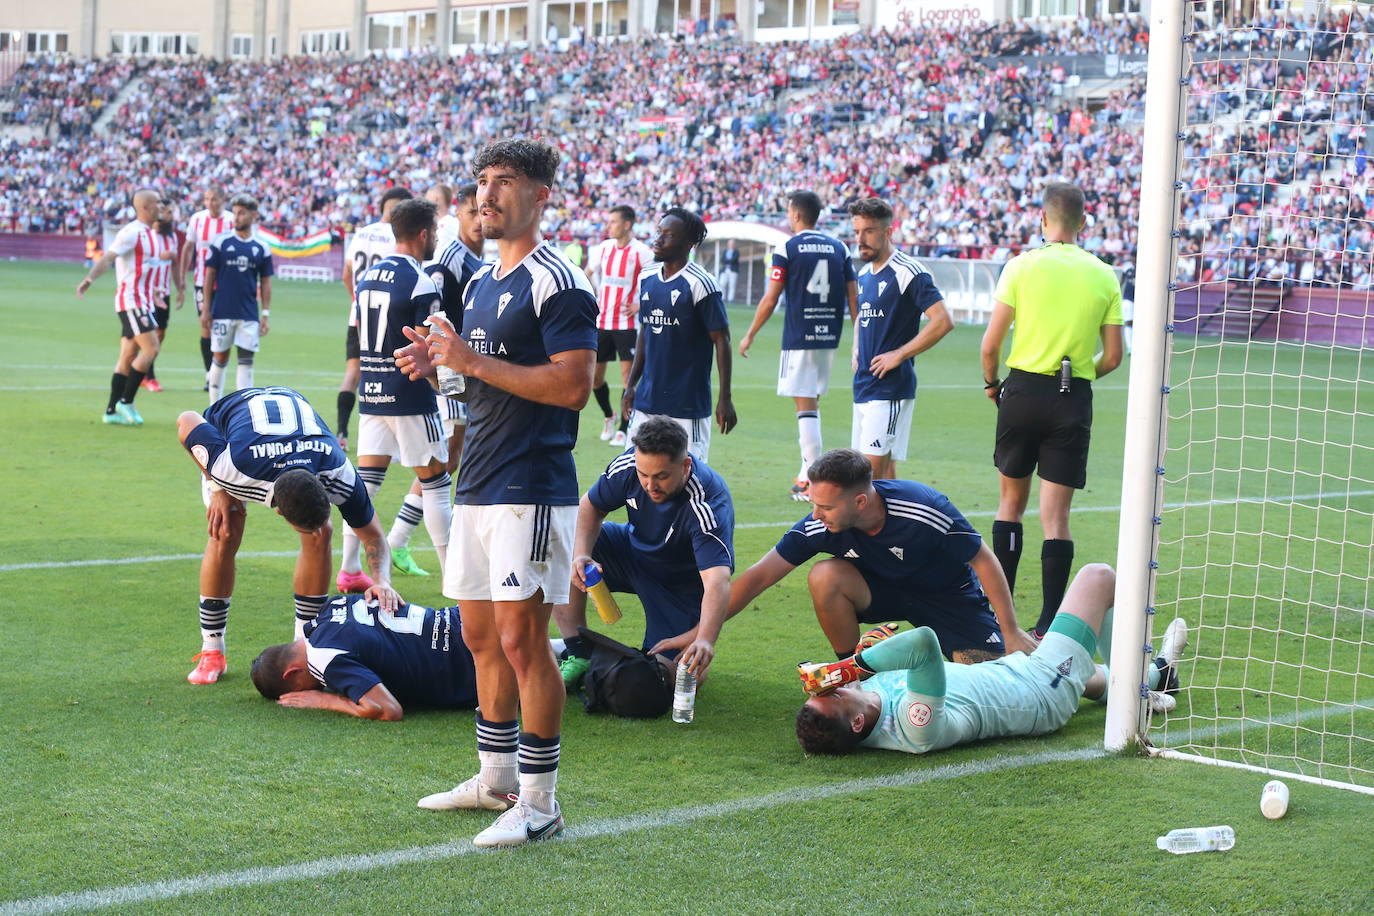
<point x="915" y="701"/>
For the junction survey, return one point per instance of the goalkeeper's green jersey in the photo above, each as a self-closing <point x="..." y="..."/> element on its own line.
<point x="929" y="703"/>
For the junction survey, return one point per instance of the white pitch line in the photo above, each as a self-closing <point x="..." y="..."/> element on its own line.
<point x="781" y="524"/>
<point x="672" y="817"/>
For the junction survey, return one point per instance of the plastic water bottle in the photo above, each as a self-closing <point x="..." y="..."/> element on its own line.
<point x="684" y="695"/>
<point x="601" y="594"/>
<point x="1274" y="799"/>
<point x="1197" y="839"/>
<point x="451" y="383"/>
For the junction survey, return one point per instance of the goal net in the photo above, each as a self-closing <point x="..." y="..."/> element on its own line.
<point x="1255" y="399"/>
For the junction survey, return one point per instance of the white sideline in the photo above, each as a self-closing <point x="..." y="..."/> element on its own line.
<point x="780" y="525"/>
<point x="672" y="817"/>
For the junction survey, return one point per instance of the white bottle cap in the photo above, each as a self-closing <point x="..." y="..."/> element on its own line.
<point x="1274" y="799"/>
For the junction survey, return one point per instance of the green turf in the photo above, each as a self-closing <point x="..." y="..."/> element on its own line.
<point x="119" y="773"/>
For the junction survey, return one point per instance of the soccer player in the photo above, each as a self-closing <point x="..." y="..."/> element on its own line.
<point x="368" y="246"/>
<point x="268" y="445"/>
<point x="451" y="272"/>
<point x="676" y="552"/>
<point x="729" y="271"/>
<point x="237" y="273"/>
<point x="441" y="195"/>
<point x="527" y="349"/>
<point x="815" y="272"/>
<point x="613" y="268"/>
<point x="681" y="320"/>
<point x="204" y="226"/>
<point x="133" y="252"/>
<point x="359" y="659"/>
<point x="899" y="550"/>
<point x="166" y="274"/>
<point x="912" y="700"/>
<point x="1063" y="301"/>
<point x="894" y="292"/>
<point x="398" y="416"/>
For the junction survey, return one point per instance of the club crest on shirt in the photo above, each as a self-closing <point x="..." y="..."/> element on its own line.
<point x="882" y="285"/>
<point x="918" y="714"/>
<point x="502" y="303"/>
<point x="673" y="296"/>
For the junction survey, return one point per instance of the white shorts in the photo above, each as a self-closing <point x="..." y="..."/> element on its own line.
<point x="226" y="332"/>
<point x="510" y="552"/>
<point x="698" y="432"/>
<point x="804" y="373"/>
<point x="882" y="427"/>
<point x="453" y="412"/>
<point x="413" y="440"/>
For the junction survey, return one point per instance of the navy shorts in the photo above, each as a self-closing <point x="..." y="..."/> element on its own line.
<point x="670" y="608"/>
<point x="960" y="619"/>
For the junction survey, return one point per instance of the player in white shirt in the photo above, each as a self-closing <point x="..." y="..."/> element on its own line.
<point x="133" y="253"/>
<point x="441" y="195"/>
<point x="204" y="226"/>
<point x="369" y="245"/>
<point x="613" y="268"/>
<point x="165" y="274"/>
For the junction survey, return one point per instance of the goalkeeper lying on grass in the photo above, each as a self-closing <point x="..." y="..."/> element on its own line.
<point x="917" y="702"/>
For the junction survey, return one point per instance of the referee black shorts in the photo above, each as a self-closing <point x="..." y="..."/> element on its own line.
<point x="1037" y="426"/>
<point x="610" y="344"/>
<point x="351" y="348"/>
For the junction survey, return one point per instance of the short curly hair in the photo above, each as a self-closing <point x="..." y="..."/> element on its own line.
<point x="302" y="499"/>
<point x="531" y="158"/>
<point x="871" y="208"/>
<point x="818" y="733"/>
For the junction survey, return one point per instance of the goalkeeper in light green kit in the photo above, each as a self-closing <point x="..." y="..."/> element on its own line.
<point x="915" y="701"/>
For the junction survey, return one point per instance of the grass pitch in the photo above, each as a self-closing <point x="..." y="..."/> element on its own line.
<point x="129" y="789"/>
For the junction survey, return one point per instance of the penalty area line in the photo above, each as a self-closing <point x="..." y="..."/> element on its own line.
<point x="671" y="817"/>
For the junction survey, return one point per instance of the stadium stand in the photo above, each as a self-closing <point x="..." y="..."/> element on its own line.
<point x="952" y="139"/>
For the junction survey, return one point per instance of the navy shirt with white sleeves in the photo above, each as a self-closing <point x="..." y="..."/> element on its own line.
<point x="417" y="652"/>
<point x="253" y="436"/>
<point x="518" y="451"/>
<point x="389" y="295"/>
<point x="240" y="264"/>
<point x="676" y="317"/>
<point x="816" y="272"/>
<point x="676" y="539"/>
<point x="891" y="302"/>
<point x="451" y="272"/>
<point x="925" y="544"/>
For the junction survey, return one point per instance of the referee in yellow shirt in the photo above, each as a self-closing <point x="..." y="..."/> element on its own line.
<point x="1062" y="301"/>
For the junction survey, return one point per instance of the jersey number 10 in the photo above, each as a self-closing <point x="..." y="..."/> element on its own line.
<point x="292" y="415"/>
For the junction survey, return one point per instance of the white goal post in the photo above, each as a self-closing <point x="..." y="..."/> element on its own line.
<point x="1247" y="500"/>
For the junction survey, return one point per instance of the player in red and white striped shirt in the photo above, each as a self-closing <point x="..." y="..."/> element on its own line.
<point x="166" y="272"/>
<point x="613" y="268"/>
<point x="133" y="252"/>
<point x="203" y="227"/>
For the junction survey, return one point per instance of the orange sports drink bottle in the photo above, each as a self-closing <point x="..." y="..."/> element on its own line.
<point x="601" y="594"/>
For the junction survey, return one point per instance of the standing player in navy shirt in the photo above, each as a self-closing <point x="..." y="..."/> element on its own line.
<point x="815" y="272"/>
<point x="901" y="551"/>
<point x="528" y="350"/>
<point x="894" y="292"/>
<point x="676" y="552"/>
<point x="681" y="321"/>
<point x="268" y="445"/>
<point x="398" y="418"/>
<point x="451" y="271"/>
<point x="238" y="265"/>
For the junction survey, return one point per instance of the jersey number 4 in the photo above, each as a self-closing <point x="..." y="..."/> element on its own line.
<point x="819" y="284"/>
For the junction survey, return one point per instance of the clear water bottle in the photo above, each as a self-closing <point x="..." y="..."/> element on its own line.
<point x="1197" y="839"/>
<point x="684" y="695"/>
<point x="451" y="383"/>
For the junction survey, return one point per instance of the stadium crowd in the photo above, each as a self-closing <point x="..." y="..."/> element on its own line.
<point x="723" y="127"/>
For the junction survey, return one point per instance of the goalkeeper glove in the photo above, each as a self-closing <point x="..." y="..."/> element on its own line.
<point x="874" y="636"/>
<point x="820" y="678"/>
